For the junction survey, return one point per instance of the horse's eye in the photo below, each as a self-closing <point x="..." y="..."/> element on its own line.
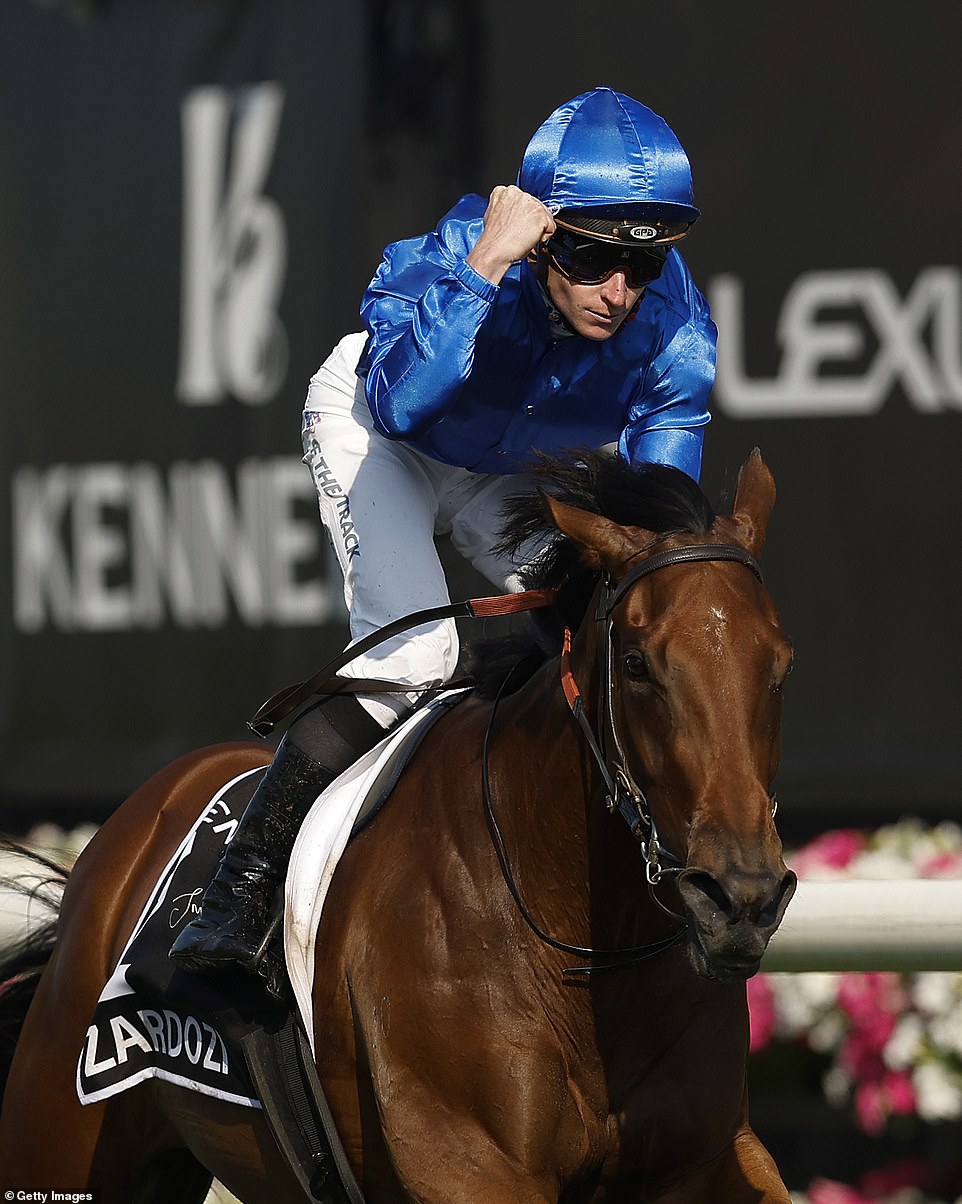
<point x="635" y="666"/>
<point x="783" y="677"/>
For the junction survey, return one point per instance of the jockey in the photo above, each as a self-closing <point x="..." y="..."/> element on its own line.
<point x="556" y="314"/>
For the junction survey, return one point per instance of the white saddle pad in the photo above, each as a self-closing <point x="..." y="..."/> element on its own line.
<point x="320" y="843"/>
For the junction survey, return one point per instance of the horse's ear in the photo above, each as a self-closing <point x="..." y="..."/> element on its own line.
<point x="754" y="498"/>
<point x="603" y="543"/>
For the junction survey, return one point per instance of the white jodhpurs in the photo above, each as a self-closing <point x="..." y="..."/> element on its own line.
<point x="382" y="504"/>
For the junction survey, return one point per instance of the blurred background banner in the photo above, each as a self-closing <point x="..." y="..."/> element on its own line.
<point x="192" y="199"/>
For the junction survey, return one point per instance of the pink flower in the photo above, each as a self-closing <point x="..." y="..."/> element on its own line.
<point x="832" y="850"/>
<point x="861" y="1056"/>
<point x="874" y="1186"/>
<point x="828" y="1191"/>
<point x="885" y="1181"/>
<point x="761" y="1012"/>
<point x="881" y="1095"/>
<point x="872" y="1003"/>
<point x="899" y="1093"/>
<point x="870" y="1110"/>
<point x="942" y="865"/>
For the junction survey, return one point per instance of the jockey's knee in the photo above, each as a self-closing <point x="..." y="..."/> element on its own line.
<point x="433" y="656"/>
<point x="422" y="661"/>
<point x="425" y="658"/>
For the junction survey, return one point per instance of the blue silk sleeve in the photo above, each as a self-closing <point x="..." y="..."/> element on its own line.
<point x="667" y="426"/>
<point x="423" y="309"/>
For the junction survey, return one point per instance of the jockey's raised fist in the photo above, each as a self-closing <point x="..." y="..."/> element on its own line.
<point x="514" y="223"/>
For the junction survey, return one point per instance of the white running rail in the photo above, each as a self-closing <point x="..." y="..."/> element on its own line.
<point x="856" y="924"/>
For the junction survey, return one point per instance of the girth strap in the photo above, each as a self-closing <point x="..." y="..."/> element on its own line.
<point x="297" y="1112"/>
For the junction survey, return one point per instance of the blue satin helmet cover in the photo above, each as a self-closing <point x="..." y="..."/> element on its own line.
<point x="604" y="149"/>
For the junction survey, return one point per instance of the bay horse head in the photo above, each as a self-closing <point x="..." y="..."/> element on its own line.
<point x="688" y="683"/>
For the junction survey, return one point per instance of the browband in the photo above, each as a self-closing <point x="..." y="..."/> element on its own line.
<point x="685" y="555"/>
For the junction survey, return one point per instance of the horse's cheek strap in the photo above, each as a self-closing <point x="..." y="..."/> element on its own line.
<point x="568" y="683"/>
<point x="576" y="705"/>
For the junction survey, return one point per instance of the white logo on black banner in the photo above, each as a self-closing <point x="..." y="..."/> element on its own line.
<point x="234" y="248"/>
<point x="846" y="337"/>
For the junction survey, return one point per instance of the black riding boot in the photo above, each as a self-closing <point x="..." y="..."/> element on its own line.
<point x="232" y="928"/>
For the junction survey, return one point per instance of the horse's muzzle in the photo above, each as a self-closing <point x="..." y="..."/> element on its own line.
<point x="731" y="919"/>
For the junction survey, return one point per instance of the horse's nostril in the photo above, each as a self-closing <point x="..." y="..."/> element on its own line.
<point x="696" y="886"/>
<point x="786" y="888"/>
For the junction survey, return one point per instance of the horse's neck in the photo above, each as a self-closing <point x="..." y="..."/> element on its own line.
<point x="575" y="862"/>
<point x="555" y="778"/>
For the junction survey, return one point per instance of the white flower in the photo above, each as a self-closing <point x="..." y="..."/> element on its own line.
<point x="947" y="837"/>
<point x="946" y="1031"/>
<point x="826" y="1034"/>
<point x="936" y="992"/>
<point x="908" y="1195"/>
<point x="836" y="1083"/>
<point x="801" y="1000"/>
<point x="905" y="1044"/>
<point x="937" y="1092"/>
<point x="882" y="864"/>
<point x="59" y="845"/>
<point x="900" y="839"/>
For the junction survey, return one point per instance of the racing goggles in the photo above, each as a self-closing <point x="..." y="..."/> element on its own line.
<point x="588" y="261"/>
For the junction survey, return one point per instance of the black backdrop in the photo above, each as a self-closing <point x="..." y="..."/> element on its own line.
<point x="192" y="197"/>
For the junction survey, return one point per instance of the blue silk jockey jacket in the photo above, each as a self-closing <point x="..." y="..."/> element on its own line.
<point x="475" y="375"/>
<point x="478" y="376"/>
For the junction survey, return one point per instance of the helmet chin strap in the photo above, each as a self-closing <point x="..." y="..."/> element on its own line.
<point x="539" y="264"/>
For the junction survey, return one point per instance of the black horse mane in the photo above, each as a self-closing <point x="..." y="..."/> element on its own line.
<point x="660" y="499"/>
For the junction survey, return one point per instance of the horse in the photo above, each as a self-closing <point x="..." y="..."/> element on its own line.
<point x="518" y="997"/>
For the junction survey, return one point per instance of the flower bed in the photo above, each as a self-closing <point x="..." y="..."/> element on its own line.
<point x="887" y="1047"/>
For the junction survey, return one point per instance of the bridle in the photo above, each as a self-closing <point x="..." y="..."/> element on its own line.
<point x="623" y="795"/>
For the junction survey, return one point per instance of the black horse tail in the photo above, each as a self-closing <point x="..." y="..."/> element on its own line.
<point x="22" y="960"/>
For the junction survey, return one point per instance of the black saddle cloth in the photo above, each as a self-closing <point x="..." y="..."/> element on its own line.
<point x="155" y="1019"/>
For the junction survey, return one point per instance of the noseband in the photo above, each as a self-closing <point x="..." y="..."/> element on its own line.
<point x="623" y="795"/>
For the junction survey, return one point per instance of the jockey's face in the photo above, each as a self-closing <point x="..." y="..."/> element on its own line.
<point x="595" y="311"/>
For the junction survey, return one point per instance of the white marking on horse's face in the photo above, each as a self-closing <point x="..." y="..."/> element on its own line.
<point x="715" y="626"/>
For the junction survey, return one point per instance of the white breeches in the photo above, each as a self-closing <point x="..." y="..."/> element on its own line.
<point x="382" y="504"/>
